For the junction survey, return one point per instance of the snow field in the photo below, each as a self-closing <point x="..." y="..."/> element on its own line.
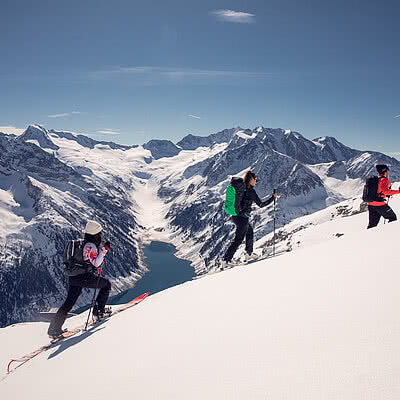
<point x="321" y="322"/>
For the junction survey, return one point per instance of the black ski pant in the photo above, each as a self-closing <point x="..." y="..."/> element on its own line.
<point x="376" y="212"/>
<point x="76" y="284"/>
<point x="243" y="229"/>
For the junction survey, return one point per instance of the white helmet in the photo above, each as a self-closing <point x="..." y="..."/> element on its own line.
<point x="93" y="228"/>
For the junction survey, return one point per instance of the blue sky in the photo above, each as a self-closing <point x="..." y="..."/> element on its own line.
<point x="131" y="71"/>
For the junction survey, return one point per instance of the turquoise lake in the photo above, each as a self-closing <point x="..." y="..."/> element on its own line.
<point x="165" y="271"/>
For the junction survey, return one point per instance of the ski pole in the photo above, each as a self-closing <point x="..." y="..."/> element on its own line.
<point x="94" y="296"/>
<point x="274" y="222"/>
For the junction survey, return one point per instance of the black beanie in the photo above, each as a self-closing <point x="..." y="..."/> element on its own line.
<point x="382" y="168"/>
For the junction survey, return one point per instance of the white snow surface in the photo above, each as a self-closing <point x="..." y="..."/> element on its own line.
<point x="321" y="322"/>
<point x="244" y="135"/>
<point x="11" y="223"/>
<point x="338" y="189"/>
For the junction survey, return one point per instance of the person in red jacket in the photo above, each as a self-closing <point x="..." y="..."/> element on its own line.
<point x="378" y="209"/>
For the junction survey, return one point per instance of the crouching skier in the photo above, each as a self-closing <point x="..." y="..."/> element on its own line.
<point x="245" y="195"/>
<point x="81" y="274"/>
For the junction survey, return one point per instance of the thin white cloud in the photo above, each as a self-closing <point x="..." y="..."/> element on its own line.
<point x="11" y="130"/>
<point x="234" y="16"/>
<point x="121" y="71"/>
<point x="63" y="115"/>
<point x="137" y="70"/>
<point x="148" y="75"/>
<point x="397" y="116"/>
<point x="108" y="132"/>
<point x="194" y="116"/>
<point x="58" y="115"/>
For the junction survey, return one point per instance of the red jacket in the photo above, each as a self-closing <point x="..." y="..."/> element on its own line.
<point x="383" y="191"/>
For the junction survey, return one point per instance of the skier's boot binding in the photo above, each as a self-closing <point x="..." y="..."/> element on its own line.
<point x="56" y="333"/>
<point x="228" y="264"/>
<point x="250" y="257"/>
<point x="101" y="313"/>
<point x="225" y="265"/>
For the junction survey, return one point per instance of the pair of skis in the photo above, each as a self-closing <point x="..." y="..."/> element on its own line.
<point x="238" y="263"/>
<point x="69" y="333"/>
<point x="218" y="268"/>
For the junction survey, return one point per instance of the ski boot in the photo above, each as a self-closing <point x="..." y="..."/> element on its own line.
<point x="228" y="264"/>
<point x="99" y="314"/>
<point x="250" y="257"/>
<point x="56" y="333"/>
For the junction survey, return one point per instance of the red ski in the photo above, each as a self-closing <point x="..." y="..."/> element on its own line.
<point x="22" y="360"/>
<point x="53" y="342"/>
<point x="132" y="303"/>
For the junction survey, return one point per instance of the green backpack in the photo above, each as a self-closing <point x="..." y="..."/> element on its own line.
<point x="233" y="196"/>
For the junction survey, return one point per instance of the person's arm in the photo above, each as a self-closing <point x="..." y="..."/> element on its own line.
<point x="90" y="254"/>
<point x="262" y="203"/>
<point x="384" y="188"/>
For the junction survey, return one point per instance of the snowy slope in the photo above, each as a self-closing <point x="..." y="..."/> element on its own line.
<point x="320" y="322"/>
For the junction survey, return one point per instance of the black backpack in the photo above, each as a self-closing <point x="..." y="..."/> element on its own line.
<point x="233" y="196"/>
<point x="73" y="258"/>
<point x="370" y="192"/>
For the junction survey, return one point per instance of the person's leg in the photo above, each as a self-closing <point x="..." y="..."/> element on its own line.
<point x="374" y="216"/>
<point x="241" y="229"/>
<point x="56" y="324"/>
<point x="94" y="281"/>
<point x="387" y="213"/>
<point x="102" y="297"/>
<point x="249" y="240"/>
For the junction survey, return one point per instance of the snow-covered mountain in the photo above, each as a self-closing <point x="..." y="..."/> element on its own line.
<point x="192" y="142"/>
<point x="308" y="175"/>
<point x="320" y="322"/>
<point x="162" y="148"/>
<point x="50" y="185"/>
<point x="38" y="135"/>
<point x="331" y="149"/>
<point x="293" y="144"/>
<point x="53" y="181"/>
<point x="85" y="141"/>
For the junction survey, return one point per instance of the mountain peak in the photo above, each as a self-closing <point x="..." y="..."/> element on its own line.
<point x="88" y="142"/>
<point x="162" y="148"/>
<point x="326" y="139"/>
<point x="39" y="134"/>
<point x="192" y="142"/>
<point x="335" y="149"/>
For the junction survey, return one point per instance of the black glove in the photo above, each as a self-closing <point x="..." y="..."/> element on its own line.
<point x="107" y="245"/>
